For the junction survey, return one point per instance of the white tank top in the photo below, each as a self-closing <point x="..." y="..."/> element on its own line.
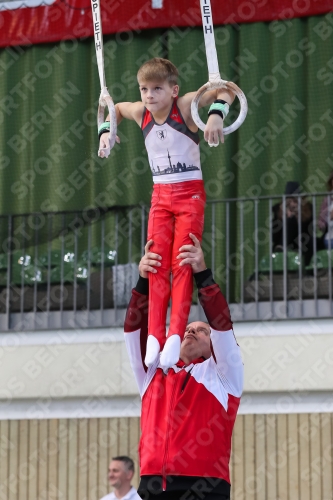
<point x="173" y="150"/>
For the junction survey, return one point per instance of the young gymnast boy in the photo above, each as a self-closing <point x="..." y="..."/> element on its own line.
<point x="178" y="200"/>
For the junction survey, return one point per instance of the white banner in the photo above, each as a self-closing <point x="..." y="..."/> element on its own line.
<point x="20" y="4"/>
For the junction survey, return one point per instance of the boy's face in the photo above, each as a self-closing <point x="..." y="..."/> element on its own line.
<point x="157" y="96"/>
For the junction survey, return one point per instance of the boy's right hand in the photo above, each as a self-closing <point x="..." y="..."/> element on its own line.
<point x="104" y="146"/>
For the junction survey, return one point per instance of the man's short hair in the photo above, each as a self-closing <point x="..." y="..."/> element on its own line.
<point x="158" y="69"/>
<point x="127" y="461"/>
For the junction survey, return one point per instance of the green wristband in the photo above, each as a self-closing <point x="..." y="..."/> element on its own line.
<point x="105" y="127"/>
<point x="223" y="108"/>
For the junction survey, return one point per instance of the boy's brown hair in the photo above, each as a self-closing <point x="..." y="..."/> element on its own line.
<point x="158" y="69"/>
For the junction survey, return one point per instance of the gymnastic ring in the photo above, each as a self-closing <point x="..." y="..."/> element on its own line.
<point x="105" y="101"/>
<point x="221" y="84"/>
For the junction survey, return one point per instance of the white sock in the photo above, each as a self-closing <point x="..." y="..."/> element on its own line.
<point x="153" y="350"/>
<point x="171" y="351"/>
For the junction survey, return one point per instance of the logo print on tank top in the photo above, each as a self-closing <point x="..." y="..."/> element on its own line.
<point x="161" y="134"/>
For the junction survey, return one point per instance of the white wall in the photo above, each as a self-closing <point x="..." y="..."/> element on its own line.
<point x="288" y="368"/>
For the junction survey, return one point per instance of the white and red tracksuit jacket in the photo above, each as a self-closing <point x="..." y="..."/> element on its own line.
<point x="187" y="414"/>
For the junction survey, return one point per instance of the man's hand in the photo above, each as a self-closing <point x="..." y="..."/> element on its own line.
<point x="148" y="261"/>
<point x="193" y="255"/>
<point x="214" y="130"/>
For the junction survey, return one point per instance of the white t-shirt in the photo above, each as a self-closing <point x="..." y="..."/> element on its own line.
<point x="131" y="495"/>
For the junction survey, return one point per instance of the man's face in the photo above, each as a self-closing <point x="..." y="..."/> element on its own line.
<point x="119" y="475"/>
<point x="292" y="204"/>
<point x="157" y="96"/>
<point x="196" y="342"/>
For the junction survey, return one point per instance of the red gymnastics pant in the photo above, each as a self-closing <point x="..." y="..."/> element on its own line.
<point x="176" y="210"/>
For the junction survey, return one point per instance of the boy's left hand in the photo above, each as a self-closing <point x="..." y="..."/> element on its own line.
<point x="214" y="130"/>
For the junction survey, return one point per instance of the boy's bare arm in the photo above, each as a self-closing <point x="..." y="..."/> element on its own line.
<point x="214" y="128"/>
<point x="207" y="99"/>
<point x="128" y="110"/>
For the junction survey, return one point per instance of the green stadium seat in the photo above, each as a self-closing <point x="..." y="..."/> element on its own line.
<point x="55" y="258"/>
<point x="293" y="262"/>
<point x="96" y="256"/>
<point x="321" y="259"/>
<point x="62" y="271"/>
<point x="23" y="270"/>
<point x="82" y="272"/>
<point x="26" y="274"/>
<point x="18" y="257"/>
<point x="67" y="273"/>
<point x="23" y="265"/>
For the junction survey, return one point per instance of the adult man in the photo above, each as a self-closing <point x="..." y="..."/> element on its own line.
<point x="188" y="411"/>
<point x="121" y="472"/>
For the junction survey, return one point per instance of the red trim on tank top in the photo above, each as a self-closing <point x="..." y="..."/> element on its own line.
<point x="174" y="114"/>
<point x="146" y="118"/>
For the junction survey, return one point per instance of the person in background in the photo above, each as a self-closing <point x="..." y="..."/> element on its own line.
<point x="293" y="225"/>
<point x="121" y="472"/>
<point x="325" y="219"/>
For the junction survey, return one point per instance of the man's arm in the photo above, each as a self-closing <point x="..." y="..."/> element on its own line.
<point x="136" y="320"/>
<point x="225" y="350"/>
